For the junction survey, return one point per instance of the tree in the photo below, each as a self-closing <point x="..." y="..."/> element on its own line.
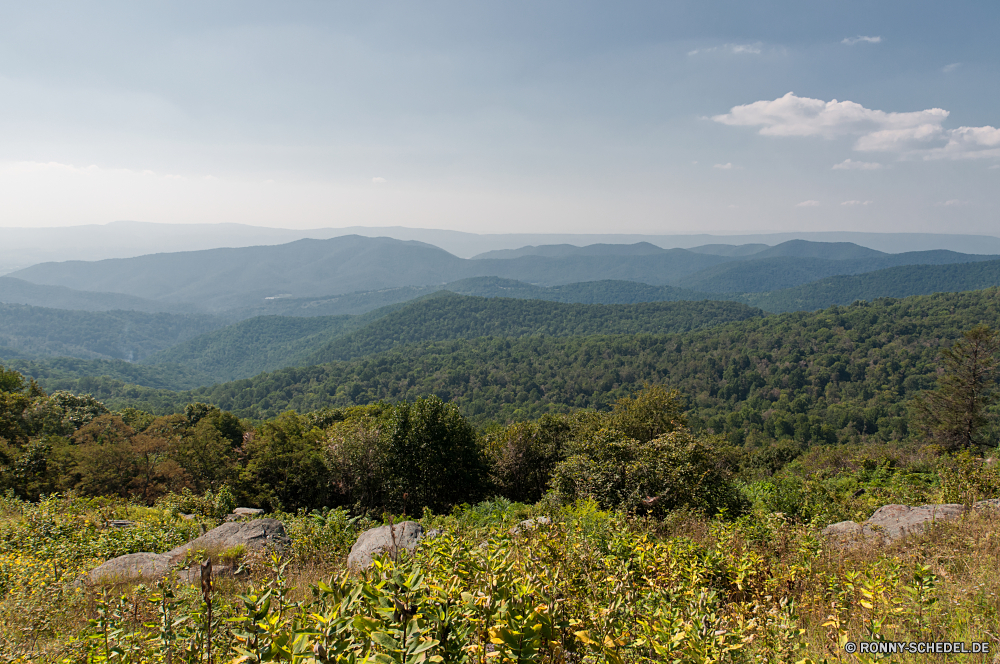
<point x="644" y="458"/>
<point x="956" y="413"/>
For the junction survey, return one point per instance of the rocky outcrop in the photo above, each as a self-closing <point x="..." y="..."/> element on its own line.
<point x="530" y="524"/>
<point x="384" y="540"/>
<point x="256" y="535"/>
<point x="893" y="522"/>
<point x="131" y="567"/>
<point x="242" y="513"/>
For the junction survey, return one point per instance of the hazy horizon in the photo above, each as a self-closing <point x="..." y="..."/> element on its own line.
<point x="667" y="118"/>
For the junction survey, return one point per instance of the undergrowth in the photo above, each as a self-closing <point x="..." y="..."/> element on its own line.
<point x="593" y="586"/>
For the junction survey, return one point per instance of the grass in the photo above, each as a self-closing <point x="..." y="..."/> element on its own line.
<point x="594" y="586"/>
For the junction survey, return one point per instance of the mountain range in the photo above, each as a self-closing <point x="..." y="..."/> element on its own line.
<point x="219" y="280"/>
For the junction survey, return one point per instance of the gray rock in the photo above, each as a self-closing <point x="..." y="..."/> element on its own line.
<point x="132" y="567"/>
<point x="989" y="504"/>
<point x="530" y="524"/>
<point x="384" y="540"/>
<point x="241" y="513"/>
<point x="890" y="523"/>
<point x="120" y="523"/>
<point x="256" y="535"/>
<point x="893" y="522"/>
<point x="843" y="532"/>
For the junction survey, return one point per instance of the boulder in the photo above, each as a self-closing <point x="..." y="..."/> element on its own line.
<point x="891" y="522"/>
<point x="256" y="535"/>
<point x="843" y="532"/>
<point x="989" y="504"/>
<point x="241" y="513"/>
<point x="384" y="540"/>
<point x="530" y="524"/>
<point x="132" y="567"/>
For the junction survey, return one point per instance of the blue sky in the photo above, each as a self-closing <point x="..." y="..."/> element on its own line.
<point x="646" y="117"/>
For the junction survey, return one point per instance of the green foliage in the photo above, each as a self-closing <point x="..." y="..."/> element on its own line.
<point x="642" y="457"/>
<point x="896" y="282"/>
<point x="450" y="316"/>
<point x="522" y="456"/>
<point x="122" y="335"/>
<point x="251" y="346"/>
<point x="956" y="414"/>
<point x="284" y="466"/>
<point x="405" y="457"/>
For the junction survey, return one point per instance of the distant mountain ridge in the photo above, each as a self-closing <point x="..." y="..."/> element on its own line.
<point x="246" y="278"/>
<point x="23" y="247"/>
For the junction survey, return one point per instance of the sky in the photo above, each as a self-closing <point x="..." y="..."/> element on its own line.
<point x="544" y="116"/>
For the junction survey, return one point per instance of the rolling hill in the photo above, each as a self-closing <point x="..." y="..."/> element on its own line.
<point x="902" y="281"/>
<point x="312" y="272"/>
<point x="451" y="316"/>
<point x="124" y="335"/>
<point x="835" y="375"/>
<point x="19" y="291"/>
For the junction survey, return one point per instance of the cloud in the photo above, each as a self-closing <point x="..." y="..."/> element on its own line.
<point x="954" y="203"/>
<point x="851" y="165"/>
<point x="950" y="68"/>
<point x="994" y="166"/>
<point x="917" y="133"/>
<point x="726" y="167"/>
<point x="852" y="203"/>
<point x="735" y="49"/>
<point x="807" y="204"/>
<point x="851" y="41"/>
<point x="378" y="180"/>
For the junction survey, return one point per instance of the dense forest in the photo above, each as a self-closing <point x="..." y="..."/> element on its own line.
<point x="838" y="375"/>
<point x="687" y="472"/>
<point x="123" y="335"/>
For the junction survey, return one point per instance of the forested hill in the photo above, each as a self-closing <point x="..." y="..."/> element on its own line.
<point x="608" y="291"/>
<point x="765" y="272"/>
<point x="126" y="335"/>
<point x="842" y="374"/>
<point x="19" y="291"/>
<point x="247" y="278"/>
<point x="446" y="315"/>
<point x="901" y="281"/>
<point x="252" y="346"/>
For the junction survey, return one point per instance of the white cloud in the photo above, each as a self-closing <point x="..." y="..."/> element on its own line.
<point x="851" y="165"/>
<point x="735" y="49"/>
<point x="954" y="203"/>
<point x="807" y="204"/>
<point x="994" y="166"/>
<point x="726" y="167"/>
<point x="851" y="41"/>
<point x="917" y="133"/>
<point x="378" y="180"/>
<point x="950" y="68"/>
<point x="852" y="203"/>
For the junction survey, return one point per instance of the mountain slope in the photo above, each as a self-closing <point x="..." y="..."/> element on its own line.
<point x="779" y="272"/>
<point x="226" y="278"/>
<point x="124" y="335"/>
<point x="589" y="292"/>
<point x="451" y="316"/>
<point x="903" y="281"/>
<point x="833" y="375"/>
<point x="19" y="291"/>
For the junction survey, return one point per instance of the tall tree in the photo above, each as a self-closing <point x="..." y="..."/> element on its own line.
<point x="956" y="414"/>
